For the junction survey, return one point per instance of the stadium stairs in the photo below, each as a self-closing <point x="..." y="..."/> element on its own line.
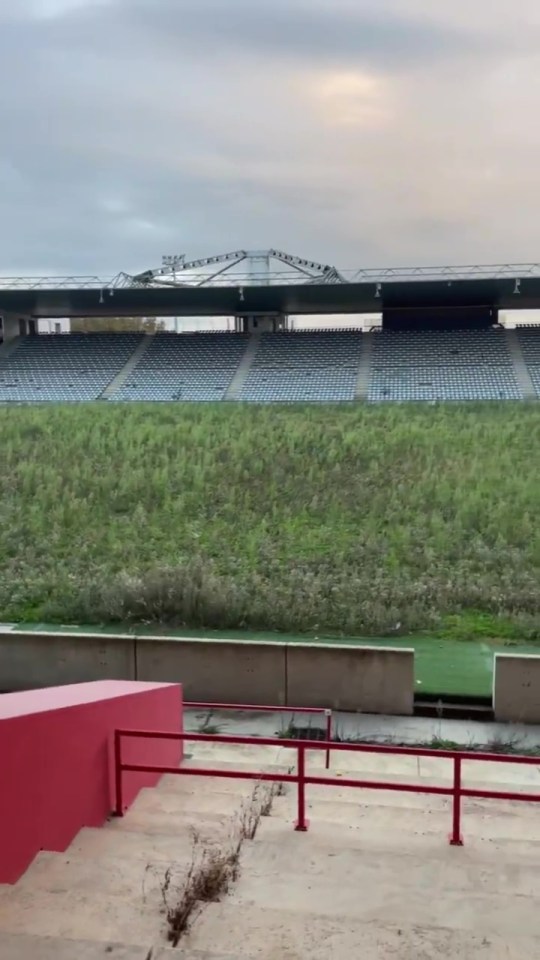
<point x="364" y="367"/>
<point x="520" y="367"/>
<point x="118" y="381"/>
<point x="373" y="878"/>
<point x="242" y="372"/>
<point x="6" y="349"/>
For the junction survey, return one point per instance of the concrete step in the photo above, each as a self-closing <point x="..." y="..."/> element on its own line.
<point x="233" y="754"/>
<point x="137" y="844"/>
<point x="432" y="769"/>
<point x="184" y="783"/>
<point x="170" y="953"/>
<point x="242" y="764"/>
<point x="358" y="797"/>
<point x="436" y="871"/>
<point x="249" y="931"/>
<point x="205" y="801"/>
<point x="128" y="879"/>
<point x="210" y="826"/>
<point x="23" y="947"/>
<point x="88" y="914"/>
<point x="474" y="771"/>
<point x="394" y="820"/>
<point x="399" y="901"/>
<point x="394" y="838"/>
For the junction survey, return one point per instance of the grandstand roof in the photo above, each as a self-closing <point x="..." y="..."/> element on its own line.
<point x="270" y="282"/>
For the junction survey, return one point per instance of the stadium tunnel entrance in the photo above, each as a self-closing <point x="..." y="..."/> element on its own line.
<point x="440" y="317"/>
<point x="12" y="326"/>
<point x="261" y="323"/>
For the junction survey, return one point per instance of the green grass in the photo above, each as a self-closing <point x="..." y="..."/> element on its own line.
<point x="344" y="521"/>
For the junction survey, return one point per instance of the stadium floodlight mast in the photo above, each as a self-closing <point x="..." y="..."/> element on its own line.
<point x="173" y="261"/>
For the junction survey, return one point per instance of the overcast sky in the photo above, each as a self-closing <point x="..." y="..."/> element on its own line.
<point x="359" y="132"/>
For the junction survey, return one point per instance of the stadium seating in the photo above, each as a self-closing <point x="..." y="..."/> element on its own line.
<point x="64" y="368"/>
<point x="529" y="340"/>
<point x="442" y="366"/>
<point x="195" y="367"/>
<point x="315" y="366"/>
<point x="320" y="366"/>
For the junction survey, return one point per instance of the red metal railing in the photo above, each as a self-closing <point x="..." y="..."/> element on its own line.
<point x="324" y="711"/>
<point x="456" y="791"/>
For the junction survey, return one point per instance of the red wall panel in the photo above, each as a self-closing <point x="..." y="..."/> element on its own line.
<point x="57" y="760"/>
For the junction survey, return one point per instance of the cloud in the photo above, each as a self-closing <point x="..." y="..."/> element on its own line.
<point x="360" y="132"/>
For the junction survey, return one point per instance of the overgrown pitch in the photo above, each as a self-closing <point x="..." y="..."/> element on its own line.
<point x="346" y="520"/>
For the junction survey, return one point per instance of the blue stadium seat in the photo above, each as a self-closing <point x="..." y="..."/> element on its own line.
<point x="312" y="366"/>
<point x="63" y="368"/>
<point x="189" y="367"/>
<point x="442" y="366"/>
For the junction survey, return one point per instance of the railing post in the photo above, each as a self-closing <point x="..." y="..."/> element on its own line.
<point x="119" y="810"/>
<point x="301" y="824"/>
<point x="328" y="715"/>
<point x="456" y="840"/>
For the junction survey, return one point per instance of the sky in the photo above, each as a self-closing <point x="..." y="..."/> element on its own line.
<point x="354" y="132"/>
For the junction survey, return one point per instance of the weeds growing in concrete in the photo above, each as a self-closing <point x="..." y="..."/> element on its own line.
<point x="510" y="744"/>
<point x="212" y="871"/>
<point x="207" y="724"/>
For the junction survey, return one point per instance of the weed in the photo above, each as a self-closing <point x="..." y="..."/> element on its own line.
<point x="511" y="745"/>
<point x="209" y="876"/>
<point x="212" y="871"/>
<point x="207" y="726"/>
<point x="357" y="521"/>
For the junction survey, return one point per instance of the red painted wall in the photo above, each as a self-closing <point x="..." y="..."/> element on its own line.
<point x="57" y="761"/>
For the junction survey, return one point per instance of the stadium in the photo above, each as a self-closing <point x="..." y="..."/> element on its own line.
<point x="374" y="457"/>
<point x="261" y="487"/>
<point x="438" y="337"/>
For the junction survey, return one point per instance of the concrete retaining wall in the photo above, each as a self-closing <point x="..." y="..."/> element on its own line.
<point x="220" y="671"/>
<point x="516" y="688"/>
<point x="365" y="679"/>
<point x="36" y="659"/>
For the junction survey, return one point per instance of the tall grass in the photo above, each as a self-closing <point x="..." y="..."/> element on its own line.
<point x="358" y="520"/>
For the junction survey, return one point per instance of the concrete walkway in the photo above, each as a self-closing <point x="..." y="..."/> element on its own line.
<point x="348" y="726"/>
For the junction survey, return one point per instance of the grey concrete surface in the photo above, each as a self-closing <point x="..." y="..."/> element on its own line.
<point x="379" y="680"/>
<point x="516" y="688"/>
<point x="372" y="679"/>
<point x="37" y="659"/>
<point x="24" y="947"/>
<point x="221" y="670"/>
<point x="407" y="730"/>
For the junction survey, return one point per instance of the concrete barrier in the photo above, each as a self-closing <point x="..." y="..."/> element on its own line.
<point x="225" y="671"/>
<point x="364" y="679"/>
<point x="47" y="659"/>
<point x="516" y="688"/>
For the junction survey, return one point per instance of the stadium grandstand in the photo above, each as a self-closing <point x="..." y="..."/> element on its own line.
<point x="439" y="336"/>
